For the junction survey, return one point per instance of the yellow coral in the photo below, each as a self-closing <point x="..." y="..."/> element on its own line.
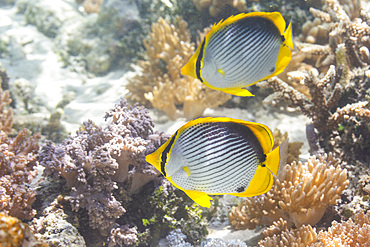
<point x="300" y="195"/>
<point x="160" y="82"/>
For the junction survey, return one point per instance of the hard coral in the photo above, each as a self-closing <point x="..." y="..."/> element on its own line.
<point x="300" y="195"/>
<point x="159" y="80"/>
<point x="97" y="158"/>
<point x="17" y="162"/>
<point x="324" y="108"/>
<point x="217" y="6"/>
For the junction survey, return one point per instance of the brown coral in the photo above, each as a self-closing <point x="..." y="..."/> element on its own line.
<point x="17" y="161"/>
<point x="351" y="233"/>
<point x="300" y="237"/>
<point x="323" y="108"/>
<point x="91" y="6"/>
<point x="6" y="115"/>
<point x="215" y="7"/>
<point x="300" y="195"/>
<point x="159" y="80"/>
<point x="15" y="233"/>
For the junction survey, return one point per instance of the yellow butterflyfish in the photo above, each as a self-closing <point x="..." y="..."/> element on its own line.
<point x="220" y="155"/>
<point x="241" y="51"/>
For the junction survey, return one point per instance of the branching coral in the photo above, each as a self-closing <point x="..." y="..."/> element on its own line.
<point x="326" y="94"/>
<point x="159" y="80"/>
<point x="17" y="161"/>
<point x="300" y="195"/>
<point x="95" y="160"/>
<point x="217" y="6"/>
<point x="334" y="26"/>
<point x="347" y="24"/>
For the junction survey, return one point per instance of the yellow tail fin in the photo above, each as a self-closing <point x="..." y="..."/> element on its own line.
<point x="288" y="34"/>
<point x="277" y="157"/>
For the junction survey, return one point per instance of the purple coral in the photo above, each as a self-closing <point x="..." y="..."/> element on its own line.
<point x="95" y="160"/>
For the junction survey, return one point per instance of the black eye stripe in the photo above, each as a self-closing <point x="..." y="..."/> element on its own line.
<point x="164" y="154"/>
<point x="199" y="59"/>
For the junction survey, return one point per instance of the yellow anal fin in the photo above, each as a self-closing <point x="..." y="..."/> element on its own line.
<point x="199" y="197"/>
<point x="238" y="92"/>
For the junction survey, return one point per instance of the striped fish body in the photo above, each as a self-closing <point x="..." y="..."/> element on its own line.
<point x="218" y="156"/>
<point x="241" y="51"/>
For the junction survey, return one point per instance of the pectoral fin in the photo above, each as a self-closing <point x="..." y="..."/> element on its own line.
<point x="200" y="198"/>
<point x="238" y="92"/>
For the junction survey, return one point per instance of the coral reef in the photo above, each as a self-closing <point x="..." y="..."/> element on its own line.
<point x="278" y="234"/>
<point x="96" y="159"/>
<point x="215" y="7"/>
<point x="47" y="18"/>
<point x="354" y="232"/>
<point x="159" y="80"/>
<point x="330" y="84"/>
<point x="52" y="225"/>
<point x="88" y="43"/>
<point x="6" y="115"/>
<point x="301" y="193"/>
<point x="123" y="236"/>
<point x="293" y="147"/>
<point x="15" y="233"/>
<point x="164" y="210"/>
<point x="92" y="6"/>
<point x="17" y="162"/>
<point x="325" y="94"/>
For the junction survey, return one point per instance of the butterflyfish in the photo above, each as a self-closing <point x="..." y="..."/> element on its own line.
<point x="217" y="156"/>
<point x="241" y="51"/>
